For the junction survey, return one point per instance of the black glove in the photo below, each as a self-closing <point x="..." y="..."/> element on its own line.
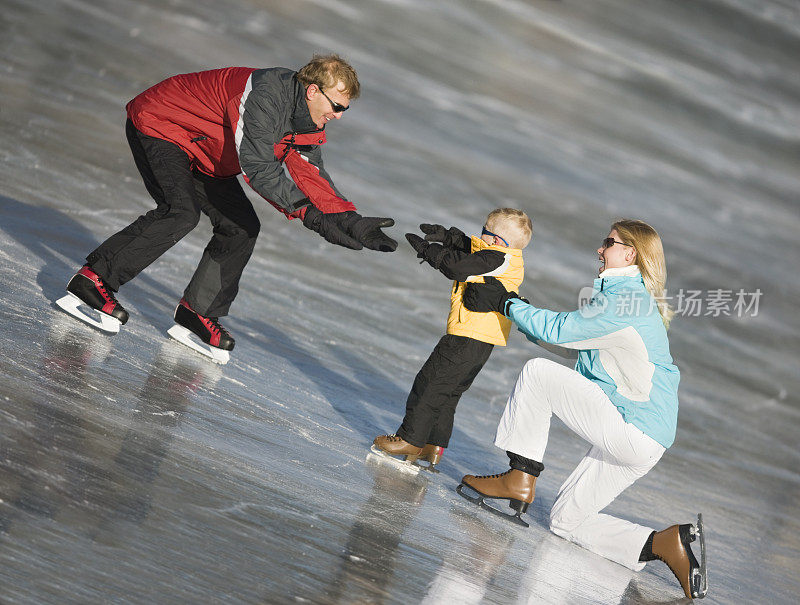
<point x="419" y="244"/>
<point x="367" y="231"/>
<point x="329" y="226"/>
<point x="450" y="238"/>
<point x="491" y="295"/>
<point x="432" y="253"/>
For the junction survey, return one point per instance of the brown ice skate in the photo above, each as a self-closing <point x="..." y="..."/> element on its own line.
<point x="396" y="446"/>
<point x="432" y="454"/>
<point x="398" y="450"/>
<point x="513" y="485"/>
<point x="672" y="546"/>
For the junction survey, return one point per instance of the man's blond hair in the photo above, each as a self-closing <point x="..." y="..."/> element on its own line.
<point x="512" y="225"/>
<point x="326" y="71"/>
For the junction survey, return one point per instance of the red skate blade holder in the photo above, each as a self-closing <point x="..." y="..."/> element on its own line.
<point x="80" y="310"/>
<point x="187" y="338"/>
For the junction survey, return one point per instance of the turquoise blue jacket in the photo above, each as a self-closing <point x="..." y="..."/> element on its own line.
<point x="622" y="345"/>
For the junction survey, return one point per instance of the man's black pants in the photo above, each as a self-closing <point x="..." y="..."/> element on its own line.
<point x="431" y="405"/>
<point x="181" y="194"/>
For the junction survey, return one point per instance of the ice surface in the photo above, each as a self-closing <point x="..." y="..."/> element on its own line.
<point x="131" y="470"/>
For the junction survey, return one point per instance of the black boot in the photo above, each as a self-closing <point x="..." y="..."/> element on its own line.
<point x="208" y="329"/>
<point x="92" y="290"/>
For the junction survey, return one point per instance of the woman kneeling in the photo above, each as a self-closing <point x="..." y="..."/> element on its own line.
<point x="622" y="397"/>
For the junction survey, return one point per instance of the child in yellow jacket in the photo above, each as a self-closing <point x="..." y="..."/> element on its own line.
<point x="470" y="338"/>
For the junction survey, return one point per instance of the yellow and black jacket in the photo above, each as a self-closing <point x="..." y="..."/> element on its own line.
<point x="470" y="259"/>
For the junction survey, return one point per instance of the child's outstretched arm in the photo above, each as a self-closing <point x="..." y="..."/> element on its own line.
<point x="449" y="238"/>
<point x="458" y="264"/>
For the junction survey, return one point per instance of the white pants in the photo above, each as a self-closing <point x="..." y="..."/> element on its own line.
<point x="619" y="455"/>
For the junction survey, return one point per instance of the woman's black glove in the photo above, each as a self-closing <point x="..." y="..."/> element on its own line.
<point x="350" y="229"/>
<point x="491" y="295"/>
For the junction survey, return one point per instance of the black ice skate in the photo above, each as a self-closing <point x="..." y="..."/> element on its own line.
<point x="189" y="325"/>
<point x="90" y="300"/>
<point x="515" y="486"/>
<point x="672" y="546"/>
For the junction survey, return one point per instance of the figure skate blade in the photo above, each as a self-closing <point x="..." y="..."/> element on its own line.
<point x="700" y="576"/>
<point x="479" y="499"/>
<point x="80" y="310"/>
<point x="188" y="338"/>
<point x="428" y="468"/>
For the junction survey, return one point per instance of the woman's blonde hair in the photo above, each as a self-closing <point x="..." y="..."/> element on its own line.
<point x="650" y="260"/>
<point x="327" y="70"/>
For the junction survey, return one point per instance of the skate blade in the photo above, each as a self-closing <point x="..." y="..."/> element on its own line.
<point x="699" y="579"/>
<point x="402" y="465"/>
<point x="428" y="468"/>
<point x="474" y="499"/>
<point x="480" y="501"/>
<point x="97" y="319"/>
<point x="187" y="338"/>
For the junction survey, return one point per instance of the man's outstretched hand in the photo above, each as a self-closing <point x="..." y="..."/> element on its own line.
<point x="367" y="231"/>
<point x="329" y="227"/>
<point x="350" y="229"/>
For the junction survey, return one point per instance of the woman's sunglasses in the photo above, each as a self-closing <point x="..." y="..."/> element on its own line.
<point x="610" y="241"/>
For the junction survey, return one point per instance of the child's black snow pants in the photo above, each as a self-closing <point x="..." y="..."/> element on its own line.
<point x="431" y="405"/>
<point x="181" y="194"/>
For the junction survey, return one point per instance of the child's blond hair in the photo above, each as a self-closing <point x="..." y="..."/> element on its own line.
<point x="512" y="225"/>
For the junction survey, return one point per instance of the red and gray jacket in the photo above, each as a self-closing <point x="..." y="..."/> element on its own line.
<point x="244" y="120"/>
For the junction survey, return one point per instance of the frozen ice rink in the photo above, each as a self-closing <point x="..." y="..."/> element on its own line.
<point x="133" y="471"/>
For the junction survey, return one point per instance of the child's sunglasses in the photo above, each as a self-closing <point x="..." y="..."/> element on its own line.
<point x="487" y="232"/>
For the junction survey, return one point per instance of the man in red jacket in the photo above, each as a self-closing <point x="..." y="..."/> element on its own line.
<point x="190" y="136"/>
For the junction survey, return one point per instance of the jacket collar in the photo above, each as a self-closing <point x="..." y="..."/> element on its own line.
<point x="301" y="116"/>
<point x="629" y="271"/>
<point x="616" y="276"/>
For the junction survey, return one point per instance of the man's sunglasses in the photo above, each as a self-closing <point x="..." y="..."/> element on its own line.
<point x="610" y="241"/>
<point x="487" y="232"/>
<point x="337" y="108"/>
